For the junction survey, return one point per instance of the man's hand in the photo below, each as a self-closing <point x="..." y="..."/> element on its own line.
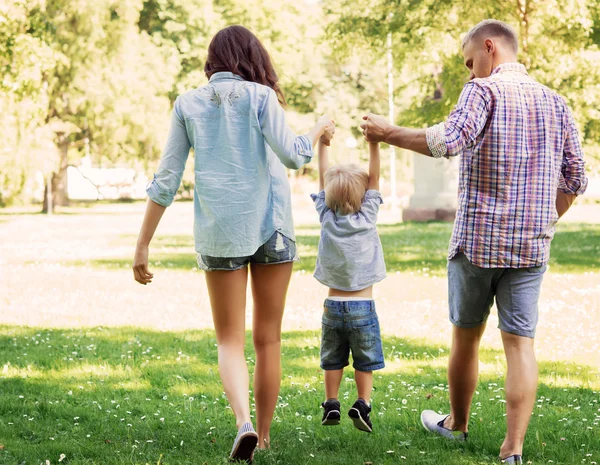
<point x="375" y="128"/>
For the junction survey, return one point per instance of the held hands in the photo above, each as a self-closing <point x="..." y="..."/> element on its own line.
<point x="328" y="129"/>
<point x="375" y="128"/>
<point x="140" y="265"/>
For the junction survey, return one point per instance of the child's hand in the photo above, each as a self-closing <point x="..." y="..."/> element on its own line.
<point x="328" y="133"/>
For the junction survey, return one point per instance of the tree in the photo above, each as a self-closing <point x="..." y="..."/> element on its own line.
<point x="108" y="83"/>
<point x="24" y="60"/>
<point x="557" y="43"/>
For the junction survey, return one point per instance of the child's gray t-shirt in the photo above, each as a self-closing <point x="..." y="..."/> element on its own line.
<point x="350" y="254"/>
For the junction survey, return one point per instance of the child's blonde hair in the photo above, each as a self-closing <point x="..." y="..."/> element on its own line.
<point x="345" y="187"/>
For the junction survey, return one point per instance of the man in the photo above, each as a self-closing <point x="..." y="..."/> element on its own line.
<point x="521" y="168"/>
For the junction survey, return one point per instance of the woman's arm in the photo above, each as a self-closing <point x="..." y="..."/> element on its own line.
<point x="154" y="213"/>
<point x="374" y="162"/>
<point x="172" y="164"/>
<point x="162" y="190"/>
<point x="293" y="151"/>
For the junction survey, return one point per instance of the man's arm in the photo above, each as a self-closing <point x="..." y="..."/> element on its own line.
<point x="377" y="129"/>
<point x="409" y="139"/>
<point x="572" y="181"/>
<point x="563" y="202"/>
<point x="462" y="128"/>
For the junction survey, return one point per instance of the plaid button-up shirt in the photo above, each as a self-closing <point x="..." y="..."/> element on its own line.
<point x="519" y="144"/>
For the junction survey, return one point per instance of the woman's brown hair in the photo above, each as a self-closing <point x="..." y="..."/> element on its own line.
<point x="237" y="50"/>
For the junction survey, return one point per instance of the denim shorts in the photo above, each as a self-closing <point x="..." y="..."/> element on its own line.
<point x="351" y="326"/>
<point x="278" y="249"/>
<point x="471" y="293"/>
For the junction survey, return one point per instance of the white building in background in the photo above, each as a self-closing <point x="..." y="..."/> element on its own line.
<point x="88" y="183"/>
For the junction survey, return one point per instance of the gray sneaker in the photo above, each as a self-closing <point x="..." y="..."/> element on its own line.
<point x="434" y="422"/>
<point x="512" y="460"/>
<point x="244" y="444"/>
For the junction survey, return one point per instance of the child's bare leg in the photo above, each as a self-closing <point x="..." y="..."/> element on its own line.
<point x="364" y="384"/>
<point x="333" y="379"/>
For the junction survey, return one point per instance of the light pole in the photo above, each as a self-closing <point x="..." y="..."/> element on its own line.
<point x="391" y="118"/>
<point x="351" y="144"/>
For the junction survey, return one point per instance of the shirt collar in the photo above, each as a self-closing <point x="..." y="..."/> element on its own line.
<point x="223" y="75"/>
<point x="510" y="68"/>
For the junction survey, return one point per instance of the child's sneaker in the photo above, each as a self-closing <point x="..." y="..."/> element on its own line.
<point x="331" y="415"/>
<point x="360" y="416"/>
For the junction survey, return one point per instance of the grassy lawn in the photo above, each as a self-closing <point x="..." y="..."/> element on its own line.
<point x="128" y="396"/>
<point x="413" y="247"/>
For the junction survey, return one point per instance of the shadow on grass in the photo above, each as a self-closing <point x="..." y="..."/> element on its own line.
<point x="411" y="247"/>
<point x="126" y="395"/>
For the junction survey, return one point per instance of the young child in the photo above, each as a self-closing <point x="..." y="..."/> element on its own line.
<point x="349" y="262"/>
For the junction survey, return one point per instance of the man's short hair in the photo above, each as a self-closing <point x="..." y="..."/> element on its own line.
<point x="493" y="28"/>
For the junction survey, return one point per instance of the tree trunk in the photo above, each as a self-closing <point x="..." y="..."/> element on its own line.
<point x="523" y="11"/>
<point x="59" y="178"/>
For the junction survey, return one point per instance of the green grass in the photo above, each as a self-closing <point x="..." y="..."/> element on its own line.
<point x="412" y="247"/>
<point x="129" y="396"/>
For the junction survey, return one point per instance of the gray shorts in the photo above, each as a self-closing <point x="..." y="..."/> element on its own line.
<point x="471" y="292"/>
<point x="278" y="249"/>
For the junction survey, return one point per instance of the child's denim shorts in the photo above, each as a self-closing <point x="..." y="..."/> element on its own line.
<point x="351" y="326"/>
<point x="278" y="249"/>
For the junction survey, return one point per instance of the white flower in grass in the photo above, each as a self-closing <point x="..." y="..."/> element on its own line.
<point x="62" y="457"/>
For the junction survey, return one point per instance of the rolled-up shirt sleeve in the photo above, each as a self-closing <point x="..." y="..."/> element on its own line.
<point x="167" y="179"/>
<point x="463" y="126"/>
<point x="572" y="179"/>
<point x="293" y="151"/>
<point x="320" y="205"/>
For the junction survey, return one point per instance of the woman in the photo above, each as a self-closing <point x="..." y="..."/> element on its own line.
<point x="242" y="210"/>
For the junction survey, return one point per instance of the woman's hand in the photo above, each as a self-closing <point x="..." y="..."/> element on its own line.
<point x="328" y="134"/>
<point x="140" y="265"/>
<point x="328" y="129"/>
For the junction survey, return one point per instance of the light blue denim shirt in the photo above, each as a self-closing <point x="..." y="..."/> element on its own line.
<point x="350" y="256"/>
<point x="241" y="147"/>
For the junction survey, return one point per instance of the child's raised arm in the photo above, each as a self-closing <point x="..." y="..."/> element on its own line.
<point x="323" y="163"/>
<point x="374" y="166"/>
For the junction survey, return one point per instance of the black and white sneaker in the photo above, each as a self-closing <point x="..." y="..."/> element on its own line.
<point x="244" y="444"/>
<point x="360" y="416"/>
<point x="331" y="415"/>
<point x="513" y="460"/>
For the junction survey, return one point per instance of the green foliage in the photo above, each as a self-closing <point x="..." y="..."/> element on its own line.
<point x="559" y="45"/>
<point x="419" y="248"/>
<point x="109" y="70"/>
